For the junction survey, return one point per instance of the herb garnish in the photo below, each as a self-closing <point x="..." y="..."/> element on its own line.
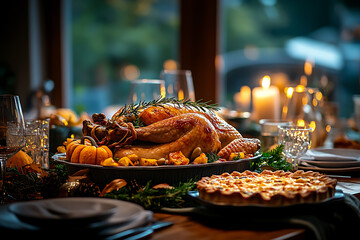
<point x="212" y="157"/>
<point x="155" y="199"/>
<point x="273" y="160"/>
<point x="134" y="109"/>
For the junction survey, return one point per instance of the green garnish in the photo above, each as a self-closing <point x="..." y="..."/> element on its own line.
<point x="212" y="157"/>
<point x="133" y="109"/>
<point x="155" y="199"/>
<point x="273" y="160"/>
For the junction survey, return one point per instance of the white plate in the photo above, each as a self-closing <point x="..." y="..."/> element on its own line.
<point x="68" y="211"/>
<point x="331" y="164"/>
<point x="331" y="170"/>
<point x="332" y="154"/>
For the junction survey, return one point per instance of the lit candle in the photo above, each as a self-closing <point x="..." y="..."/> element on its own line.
<point x="266" y="101"/>
<point x="242" y="99"/>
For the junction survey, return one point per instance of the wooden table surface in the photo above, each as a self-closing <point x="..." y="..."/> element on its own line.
<point x="187" y="227"/>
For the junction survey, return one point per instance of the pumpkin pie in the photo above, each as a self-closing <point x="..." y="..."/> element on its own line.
<point x="277" y="188"/>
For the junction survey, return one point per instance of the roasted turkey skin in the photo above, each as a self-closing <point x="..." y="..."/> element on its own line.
<point x="183" y="132"/>
<point x="153" y="114"/>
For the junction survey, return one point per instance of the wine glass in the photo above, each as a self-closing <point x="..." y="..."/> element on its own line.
<point x="12" y="129"/>
<point x="178" y="84"/>
<point x="296" y="141"/>
<point x="146" y="90"/>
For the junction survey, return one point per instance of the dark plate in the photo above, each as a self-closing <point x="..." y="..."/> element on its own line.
<point x="68" y="211"/>
<point x="157" y="174"/>
<point x="338" y="196"/>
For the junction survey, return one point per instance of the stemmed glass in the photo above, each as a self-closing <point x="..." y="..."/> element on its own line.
<point x="145" y="90"/>
<point x="296" y="141"/>
<point x="12" y="139"/>
<point x="178" y="84"/>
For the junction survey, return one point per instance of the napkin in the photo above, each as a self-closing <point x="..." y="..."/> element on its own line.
<point x="322" y="156"/>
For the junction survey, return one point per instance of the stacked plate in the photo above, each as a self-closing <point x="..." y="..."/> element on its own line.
<point x="334" y="160"/>
<point x="72" y="217"/>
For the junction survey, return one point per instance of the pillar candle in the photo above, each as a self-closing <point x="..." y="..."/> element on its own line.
<point x="266" y="101"/>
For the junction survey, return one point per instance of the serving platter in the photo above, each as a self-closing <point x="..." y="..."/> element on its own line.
<point x="170" y="174"/>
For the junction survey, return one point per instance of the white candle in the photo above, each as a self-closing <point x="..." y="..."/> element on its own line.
<point x="266" y="101"/>
<point x="242" y="99"/>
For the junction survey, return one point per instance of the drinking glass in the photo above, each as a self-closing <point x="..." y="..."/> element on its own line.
<point x="37" y="141"/>
<point x="178" y="84"/>
<point x="270" y="132"/>
<point x="146" y="90"/>
<point x="12" y="138"/>
<point x="296" y="141"/>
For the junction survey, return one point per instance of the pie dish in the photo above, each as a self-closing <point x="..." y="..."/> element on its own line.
<point x="277" y="188"/>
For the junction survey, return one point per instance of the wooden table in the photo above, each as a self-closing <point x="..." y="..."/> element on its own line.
<point x="186" y="227"/>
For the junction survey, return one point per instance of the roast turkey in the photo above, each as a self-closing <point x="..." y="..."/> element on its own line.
<point x="170" y="128"/>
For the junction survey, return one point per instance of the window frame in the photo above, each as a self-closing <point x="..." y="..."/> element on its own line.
<point x="198" y="47"/>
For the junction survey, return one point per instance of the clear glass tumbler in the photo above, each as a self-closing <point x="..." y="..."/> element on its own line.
<point x="146" y="90"/>
<point x="178" y="84"/>
<point x="296" y="141"/>
<point x="270" y="132"/>
<point x="37" y="141"/>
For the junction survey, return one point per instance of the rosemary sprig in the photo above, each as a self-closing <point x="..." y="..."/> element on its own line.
<point x="133" y="109"/>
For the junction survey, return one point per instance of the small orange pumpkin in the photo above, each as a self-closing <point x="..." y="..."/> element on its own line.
<point x="87" y="152"/>
<point x="19" y="160"/>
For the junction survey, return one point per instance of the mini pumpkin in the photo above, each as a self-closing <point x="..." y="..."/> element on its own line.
<point x="19" y="160"/>
<point x="87" y="152"/>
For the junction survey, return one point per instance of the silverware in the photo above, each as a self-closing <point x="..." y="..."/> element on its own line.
<point x="140" y="232"/>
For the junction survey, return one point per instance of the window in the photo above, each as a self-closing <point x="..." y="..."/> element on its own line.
<point x="277" y="37"/>
<point x="116" y="41"/>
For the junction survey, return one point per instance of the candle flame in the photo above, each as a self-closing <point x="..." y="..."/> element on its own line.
<point x="308" y="67"/>
<point x="300" y="88"/>
<point x="289" y="92"/>
<point x="265" y="82"/>
<point x="181" y="94"/>
<point x="301" y="123"/>
<point x="312" y="124"/>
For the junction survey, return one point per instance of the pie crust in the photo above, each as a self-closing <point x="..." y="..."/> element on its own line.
<point x="277" y="188"/>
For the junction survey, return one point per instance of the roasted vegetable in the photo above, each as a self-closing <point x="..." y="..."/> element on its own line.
<point x="148" y="162"/>
<point x="178" y="158"/>
<point x="109" y="162"/>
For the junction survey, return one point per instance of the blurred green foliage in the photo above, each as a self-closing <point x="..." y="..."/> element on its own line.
<point x="109" y="35"/>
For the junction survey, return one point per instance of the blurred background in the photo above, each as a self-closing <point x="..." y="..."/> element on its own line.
<point x="83" y="54"/>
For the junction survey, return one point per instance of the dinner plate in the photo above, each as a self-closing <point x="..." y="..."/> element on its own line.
<point x="128" y="216"/>
<point x="331" y="164"/>
<point x="331" y="170"/>
<point x="332" y="154"/>
<point x="74" y="211"/>
<point x="339" y="195"/>
<point x="170" y="174"/>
